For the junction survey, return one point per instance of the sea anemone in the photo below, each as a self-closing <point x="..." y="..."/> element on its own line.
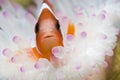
<point x="78" y="47"/>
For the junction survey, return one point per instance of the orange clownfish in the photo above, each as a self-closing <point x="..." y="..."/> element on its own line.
<point x="48" y="33"/>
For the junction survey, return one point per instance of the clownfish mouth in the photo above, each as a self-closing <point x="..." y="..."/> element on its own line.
<point x="48" y="36"/>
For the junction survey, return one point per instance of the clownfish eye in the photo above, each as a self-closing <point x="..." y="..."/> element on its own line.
<point x="36" y="28"/>
<point x="57" y="25"/>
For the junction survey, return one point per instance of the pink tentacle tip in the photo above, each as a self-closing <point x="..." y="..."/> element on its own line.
<point x="64" y="18"/>
<point x="36" y="66"/>
<point x="42" y="65"/>
<point x="4" y="51"/>
<point x="93" y="66"/>
<point x="55" y="51"/>
<point x="58" y="52"/>
<point x="5" y="13"/>
<point x="22" y="69"/>
<point x="69" y="37"/>
<point x="104" y="36"/>
<point x="80" y="24"/>
<point x="13" y="59"/>
<point x="78" y="67"/>
<point x="7" y="52"/>
<point x="16" y="39"/>
<point x="83" y="34"/>
<point x="102" y="16"/>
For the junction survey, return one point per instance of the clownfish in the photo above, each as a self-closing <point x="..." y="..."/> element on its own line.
<point x="48" y="33"/>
